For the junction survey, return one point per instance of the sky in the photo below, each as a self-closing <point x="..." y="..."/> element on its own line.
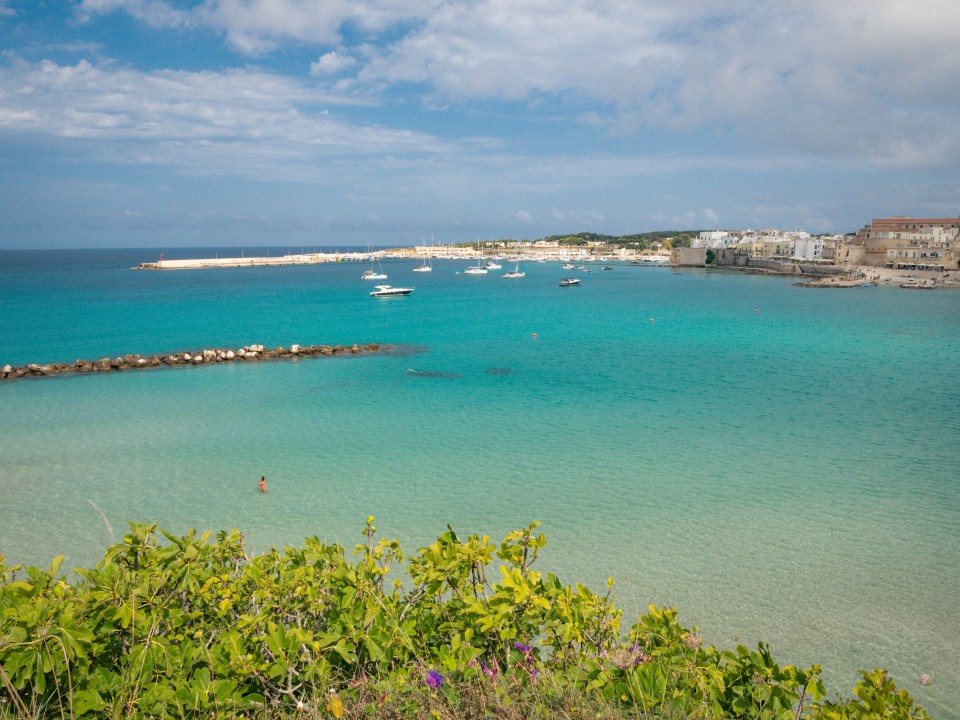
<point x="180" y="123"/>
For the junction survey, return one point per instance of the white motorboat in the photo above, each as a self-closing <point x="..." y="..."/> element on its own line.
<point x="491" y="265"/>
<point x="388" y="291"/>
<point x="568" y="266"/>
<point x="569" y="281"/>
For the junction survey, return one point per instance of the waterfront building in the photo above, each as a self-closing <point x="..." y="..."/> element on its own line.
<point x="934" y="248"/>
<point x="884" y="234"/>
<point x="808" y="248"/>
<point x="711" y="239"/>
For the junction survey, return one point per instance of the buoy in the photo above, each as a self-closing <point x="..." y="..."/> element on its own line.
<point x="534" y="334"/>
<point x="756" y="311"/>
<point x="652" y="320"/>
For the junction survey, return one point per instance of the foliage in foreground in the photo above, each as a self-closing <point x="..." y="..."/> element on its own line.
<point x="197" y="627"/>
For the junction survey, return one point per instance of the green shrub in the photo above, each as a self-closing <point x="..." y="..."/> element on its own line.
<point x="196" y="626"/>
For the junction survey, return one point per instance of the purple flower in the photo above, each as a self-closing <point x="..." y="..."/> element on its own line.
<point x="490" y="670"/>
<point x="434" y="679"/>
<point x="527" y="651"/>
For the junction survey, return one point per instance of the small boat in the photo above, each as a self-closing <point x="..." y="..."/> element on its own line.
<point x="515" y="273"/>
<point x="569" y="281"/>
<point x="607" y="267"/>
<point x="477" y="269"/>
<point x="567" y="266"/>
<point x="388" y="291"/>
<point x="491" y="265"/>
<point x="373" y="275"/>
<point x="425" y="266"/>
<point x="918" y="285"/>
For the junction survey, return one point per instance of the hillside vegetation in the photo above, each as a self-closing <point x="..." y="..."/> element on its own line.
<point x="196" y="626"/>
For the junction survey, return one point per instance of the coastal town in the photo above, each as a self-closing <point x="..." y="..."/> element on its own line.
<point x="912" y="252"/>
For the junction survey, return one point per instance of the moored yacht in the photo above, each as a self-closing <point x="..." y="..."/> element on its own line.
<point x="515" y="273"/>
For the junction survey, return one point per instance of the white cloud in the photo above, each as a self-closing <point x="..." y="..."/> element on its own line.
<point x="332" y="63"/>
<point x="239" y="122"/>
<point x="260" y="26"/>
<point x="156" y="13"/>
<point x="874" y="80"/>
<point x="524" y="216"/>
<point x="863" y="79"/>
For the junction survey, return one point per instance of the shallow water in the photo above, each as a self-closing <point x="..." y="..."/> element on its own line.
<point x="779" y="463"/>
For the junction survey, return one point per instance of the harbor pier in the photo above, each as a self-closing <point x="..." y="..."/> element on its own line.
<point x="260" y="261"/>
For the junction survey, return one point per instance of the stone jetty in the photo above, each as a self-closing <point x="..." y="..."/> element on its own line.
<point x="248" y="353"/>
<point x="262" y="261"/>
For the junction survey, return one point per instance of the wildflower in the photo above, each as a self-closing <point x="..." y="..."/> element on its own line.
<point x="925" y="679"/>
<point x="434" y="679"/>
<point x="525" y="649"/>
<point x="491" y="670"/>
<point x="335" y="706"/>
<point x="692" y="640"/>
<point x="622" y="659"/>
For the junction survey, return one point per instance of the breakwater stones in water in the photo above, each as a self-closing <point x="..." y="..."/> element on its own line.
<point x="200" y="357"/>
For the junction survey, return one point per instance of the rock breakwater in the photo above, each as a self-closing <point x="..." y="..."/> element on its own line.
<point x="247" y="353"/>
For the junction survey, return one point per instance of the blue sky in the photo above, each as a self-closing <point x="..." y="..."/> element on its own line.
<point x="162" y="123"/>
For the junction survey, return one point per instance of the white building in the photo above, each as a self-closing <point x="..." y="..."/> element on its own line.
<point x="710" y="239"/>
<point x="808" y="248"/>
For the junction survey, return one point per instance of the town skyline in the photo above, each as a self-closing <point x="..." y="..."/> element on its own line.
<point x="189" y="123"/>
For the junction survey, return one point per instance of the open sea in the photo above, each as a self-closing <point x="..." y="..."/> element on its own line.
<point x="781" y="464"/>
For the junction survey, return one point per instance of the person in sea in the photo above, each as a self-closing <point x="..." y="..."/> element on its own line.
<point x="263" y="484"/>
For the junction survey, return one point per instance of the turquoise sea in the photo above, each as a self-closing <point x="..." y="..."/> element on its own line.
<point x="781" y="464"/>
